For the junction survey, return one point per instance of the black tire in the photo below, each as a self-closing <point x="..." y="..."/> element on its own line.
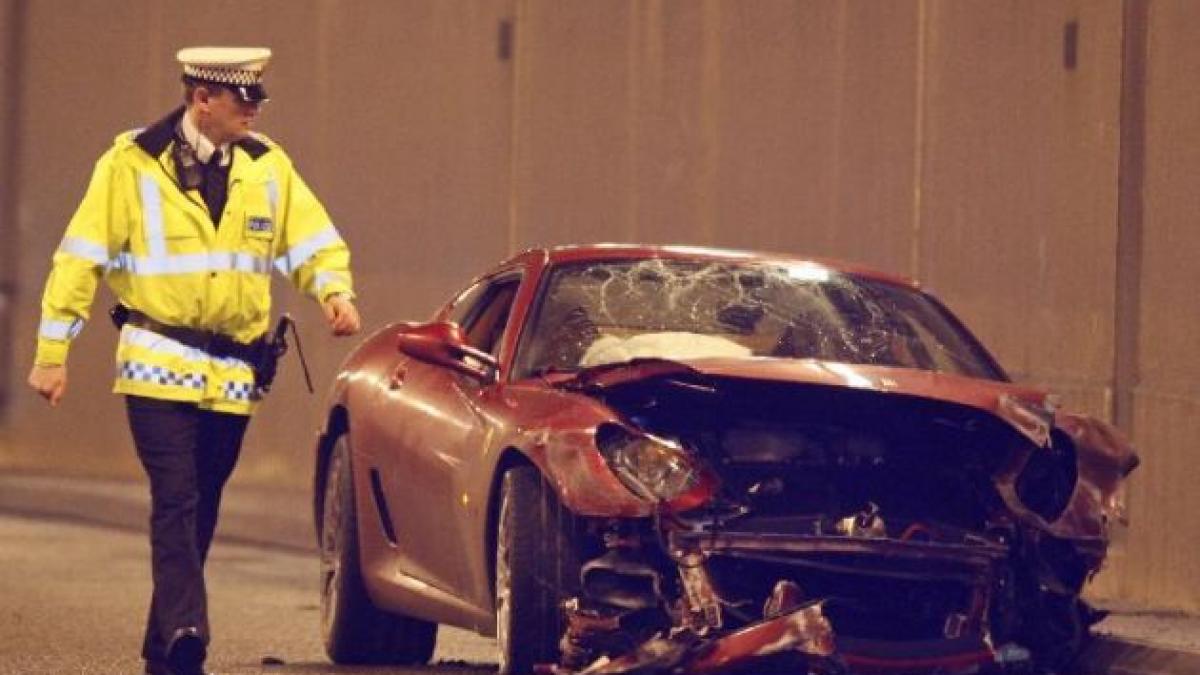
<point x="353" y="629"/>
<point x="1056" y="632"/>
<point x="537" y="567"/>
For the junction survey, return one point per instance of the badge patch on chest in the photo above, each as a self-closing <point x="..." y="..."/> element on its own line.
<point x="260" y="225"/>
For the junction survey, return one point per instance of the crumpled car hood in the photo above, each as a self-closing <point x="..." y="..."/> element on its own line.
<point x="990" y="493"/>
<point x="1031" y="411"/>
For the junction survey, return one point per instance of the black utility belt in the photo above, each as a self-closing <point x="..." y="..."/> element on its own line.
<point x="212" y="343"/>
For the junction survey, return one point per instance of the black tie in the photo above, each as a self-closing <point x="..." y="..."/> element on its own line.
<point x="215" y="188"/>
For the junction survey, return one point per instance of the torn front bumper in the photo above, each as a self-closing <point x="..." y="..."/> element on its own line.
<point x="804" y="632"/>
<point x="802" y="628"/>
<point x="963" y="645"/>
<point x="801" y="641"/>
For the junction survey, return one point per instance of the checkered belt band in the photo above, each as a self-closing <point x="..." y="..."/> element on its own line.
<point x="144" y="372"/>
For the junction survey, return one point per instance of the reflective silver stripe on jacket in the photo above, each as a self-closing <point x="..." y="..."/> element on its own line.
<point x="160" y="262"/>
<point x="273" y="196"/>
<point x="305" y="250"/>
<point x="161" y="344"/>
<point x="325" y="278"/>
<point x="51" y="329"/>
<point x="188" y="263"/>
<point x="82" y="248"/>
<point x="156" y="240"/>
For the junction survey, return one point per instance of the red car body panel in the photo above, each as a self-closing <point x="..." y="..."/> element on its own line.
<point x="429" y="444"/>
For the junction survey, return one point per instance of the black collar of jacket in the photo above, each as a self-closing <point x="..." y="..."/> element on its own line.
<point x="155" y="139"/>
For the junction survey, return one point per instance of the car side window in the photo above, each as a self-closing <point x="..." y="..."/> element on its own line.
<point x="483" y="324"/>
<point x="467" y="301"/>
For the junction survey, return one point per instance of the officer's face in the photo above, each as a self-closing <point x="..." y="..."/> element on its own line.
<point x="229" y="117"/>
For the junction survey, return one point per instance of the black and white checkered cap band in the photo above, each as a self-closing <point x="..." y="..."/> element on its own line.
<point x="238" y="77"/>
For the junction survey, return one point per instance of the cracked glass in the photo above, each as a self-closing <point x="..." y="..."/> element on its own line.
<point x="603" y="312"/>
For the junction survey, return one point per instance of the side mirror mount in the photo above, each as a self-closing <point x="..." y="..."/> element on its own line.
<point x="442" y="343"/>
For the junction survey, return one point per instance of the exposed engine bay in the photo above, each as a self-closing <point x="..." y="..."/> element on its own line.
<point x="824" y="529"/>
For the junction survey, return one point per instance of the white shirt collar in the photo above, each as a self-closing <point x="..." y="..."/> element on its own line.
<point x="204" y="148"/>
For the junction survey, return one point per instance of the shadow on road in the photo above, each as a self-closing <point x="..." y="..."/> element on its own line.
<point x="439" y="668"/>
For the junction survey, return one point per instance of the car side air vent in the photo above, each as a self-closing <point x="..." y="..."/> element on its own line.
<point x="385" y="517"/>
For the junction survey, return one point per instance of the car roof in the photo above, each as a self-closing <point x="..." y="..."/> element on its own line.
<point x="621" y="251"/>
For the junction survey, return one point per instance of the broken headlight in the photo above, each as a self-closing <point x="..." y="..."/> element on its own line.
<point x="655" y="468"/>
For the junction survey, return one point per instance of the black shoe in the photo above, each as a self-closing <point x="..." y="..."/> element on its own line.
<point x="186" y="652"/>
<point x="161" y="668"/>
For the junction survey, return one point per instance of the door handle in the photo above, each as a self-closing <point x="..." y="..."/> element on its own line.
<point x="396" y="379"/>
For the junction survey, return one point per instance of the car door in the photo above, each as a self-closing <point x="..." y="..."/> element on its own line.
<point x="439" y="428"/>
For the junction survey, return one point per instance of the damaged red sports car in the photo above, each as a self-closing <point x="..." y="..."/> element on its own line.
<point x="623" y="459"/>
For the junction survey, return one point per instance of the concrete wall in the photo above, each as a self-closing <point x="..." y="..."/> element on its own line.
<point x="993" y="150"/>
<point x="1166" y="421"/>
<point x="10" y="48"/>
<point x="1019" y="169"/>
<point x="770" y="125"/>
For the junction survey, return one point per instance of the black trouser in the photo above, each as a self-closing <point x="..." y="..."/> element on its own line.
<point x="188" y="453"/>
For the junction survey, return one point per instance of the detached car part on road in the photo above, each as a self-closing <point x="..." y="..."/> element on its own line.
<point x="625" y="459"/>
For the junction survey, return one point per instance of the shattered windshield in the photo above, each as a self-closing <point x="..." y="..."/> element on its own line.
<point x="603" y="312"/>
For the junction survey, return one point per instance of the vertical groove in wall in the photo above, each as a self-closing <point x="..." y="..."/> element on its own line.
<point x="652" y="68"/>
<point x="1130" y="211"/>
<point x="326" y="31"/>
<point x="633" y="122"/>
<point x="833" y="212"/>
<point x="11" y="41"/>
<point x="918" y="177"/>
<point x="518" y="61"/>
<point x="710" y="92"/>
<point x="155" y="66"/>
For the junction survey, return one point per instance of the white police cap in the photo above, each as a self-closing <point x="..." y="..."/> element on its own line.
<point x="238" y="68"/>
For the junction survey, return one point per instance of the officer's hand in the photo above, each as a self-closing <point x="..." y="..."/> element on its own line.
<point x="341" y="315"/>
<point x="49" y="381"/>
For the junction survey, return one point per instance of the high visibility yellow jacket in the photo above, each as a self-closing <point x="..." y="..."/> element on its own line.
<point x="157" y="248"/>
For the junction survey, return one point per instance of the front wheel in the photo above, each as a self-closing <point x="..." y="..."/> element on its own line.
<point x="537" y="567"/>
<point x="353" y="629"/>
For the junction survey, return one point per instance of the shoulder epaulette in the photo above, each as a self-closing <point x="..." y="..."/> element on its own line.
<point x="256" y="145"/>
<point x="155" y="138"/>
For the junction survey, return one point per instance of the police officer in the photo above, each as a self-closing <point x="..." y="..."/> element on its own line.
<point x="185" y="220"/>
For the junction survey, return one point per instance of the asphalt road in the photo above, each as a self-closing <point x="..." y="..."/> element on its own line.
<point x="73" y="598"/>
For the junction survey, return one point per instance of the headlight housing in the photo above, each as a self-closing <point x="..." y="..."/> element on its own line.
<point x="654" y="468"/>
